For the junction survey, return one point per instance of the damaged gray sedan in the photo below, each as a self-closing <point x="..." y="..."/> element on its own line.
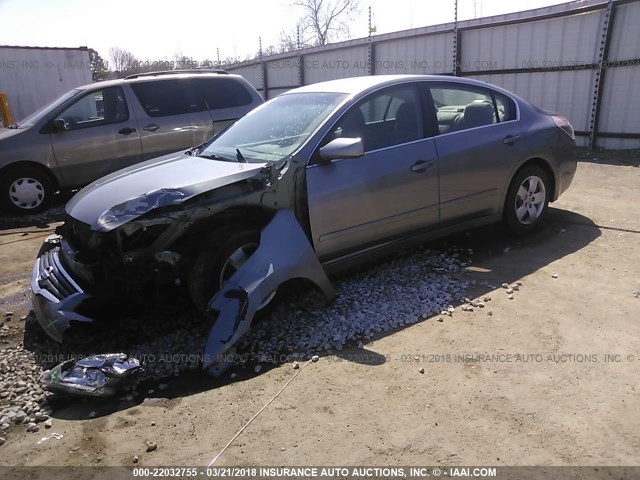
<point x="318" y="179"/>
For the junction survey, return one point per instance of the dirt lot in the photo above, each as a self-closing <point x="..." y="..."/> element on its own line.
<point x="527" y="385"/>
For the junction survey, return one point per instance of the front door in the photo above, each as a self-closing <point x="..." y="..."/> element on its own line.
<point x="392" y="189"/>
<point x="100" y="137"/>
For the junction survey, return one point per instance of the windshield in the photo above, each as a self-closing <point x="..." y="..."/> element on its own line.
<point x="276" y="129"/>
<point x="38" y="114"/>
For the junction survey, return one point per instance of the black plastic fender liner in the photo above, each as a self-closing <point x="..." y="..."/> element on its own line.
<point x="284" y="253"/>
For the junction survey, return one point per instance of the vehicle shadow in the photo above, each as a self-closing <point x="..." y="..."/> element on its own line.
<point x="502" y="258"/>
<point x="610" y="157"/>
<point x="497" y="258"/>
<point x="55" y="213"/>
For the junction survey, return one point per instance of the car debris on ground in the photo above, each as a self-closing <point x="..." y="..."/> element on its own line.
<point x="95" y="376"/>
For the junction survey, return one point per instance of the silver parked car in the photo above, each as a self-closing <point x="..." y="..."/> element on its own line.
<point x="102" y="127"/>
<point x="315" y="180"/>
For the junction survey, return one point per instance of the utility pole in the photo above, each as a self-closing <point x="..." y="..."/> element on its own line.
<point x="371" y="54"/>
<point x="455" y="38"/>
<point x="263" y="72"/>
<point x="300" y="59"/>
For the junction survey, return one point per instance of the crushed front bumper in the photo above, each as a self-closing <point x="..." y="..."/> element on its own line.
<point x="55" y="295"/>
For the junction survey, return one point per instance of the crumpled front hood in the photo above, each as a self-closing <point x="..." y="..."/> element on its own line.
<point x="169" y="180"/>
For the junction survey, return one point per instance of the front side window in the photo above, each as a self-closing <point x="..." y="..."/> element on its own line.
<point x="165" y="98"/>
<point x="99" y="107"/>
<point x="460" y="107"/>
<point x="276" y="129"/>
<point x="385" y="119"/>
<point x="41" y="113"/>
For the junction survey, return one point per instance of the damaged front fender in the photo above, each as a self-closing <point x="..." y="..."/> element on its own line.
<point x="284" y="253"/>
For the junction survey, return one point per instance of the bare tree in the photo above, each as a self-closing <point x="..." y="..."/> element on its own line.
<point x="326" y="20"/>
<point x="122" y="61"/>
<point x="300" y="37"/>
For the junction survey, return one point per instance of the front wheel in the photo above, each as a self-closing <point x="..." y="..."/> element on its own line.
<point x="217" y="263"/>
<point x="25" y="190"/>
<point x="527" y="200"/>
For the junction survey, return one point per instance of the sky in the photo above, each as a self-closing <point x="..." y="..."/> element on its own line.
<point x="161" y="30"/>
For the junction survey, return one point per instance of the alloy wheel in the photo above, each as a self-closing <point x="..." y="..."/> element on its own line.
<point x="530" y="200"/>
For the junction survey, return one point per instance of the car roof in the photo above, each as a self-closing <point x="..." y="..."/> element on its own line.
<point x="355" y="85"/>
<point x="153" y="78"/>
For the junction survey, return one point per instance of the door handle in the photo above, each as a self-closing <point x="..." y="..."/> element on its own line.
<point x="126" y="131"/>
<point x="152" y="127"/>
<point x="421" y="166"/>
<point x="511" y="139"/>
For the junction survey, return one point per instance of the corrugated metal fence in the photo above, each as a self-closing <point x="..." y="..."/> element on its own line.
<point x="581" y="59"/>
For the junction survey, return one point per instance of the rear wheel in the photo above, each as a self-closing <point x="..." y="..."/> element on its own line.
<point x="527" y="200"/>
<point x="25" y="190"/>
<point x="218" y="262"/>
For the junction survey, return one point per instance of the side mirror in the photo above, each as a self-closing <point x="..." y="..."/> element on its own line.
<point x="58" y="125"/>
<point x="341" y="148"/>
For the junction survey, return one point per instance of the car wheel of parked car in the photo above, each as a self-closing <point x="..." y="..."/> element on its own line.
<point x="527" y="199"/>
<point x="25" y="190"/>
<point x="215" y="265"/>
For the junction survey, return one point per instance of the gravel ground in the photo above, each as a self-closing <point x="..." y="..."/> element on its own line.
<point x="379" y="299"/>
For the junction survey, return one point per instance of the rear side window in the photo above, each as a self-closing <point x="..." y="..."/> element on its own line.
<point x="168" y="97"/>
<point x="222" y="92"/>
<point x="460" y="107"/>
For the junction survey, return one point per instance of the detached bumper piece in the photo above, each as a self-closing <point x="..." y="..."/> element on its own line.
<point x="56" y="296"/>
<point x="284" y="253"/>
<point x="96" y="376"/>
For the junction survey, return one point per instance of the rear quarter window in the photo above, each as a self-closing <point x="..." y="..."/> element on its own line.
<point x="222" y="92"/>
<point x="506" y="107"/>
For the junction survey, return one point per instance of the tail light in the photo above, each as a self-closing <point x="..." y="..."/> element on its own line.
<point x="564" y="125"/>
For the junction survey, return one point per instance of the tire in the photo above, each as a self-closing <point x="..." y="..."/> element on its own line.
<point x="527" y="200"/>
<point x="25" y="190"/>
<point x="214" y="265"/>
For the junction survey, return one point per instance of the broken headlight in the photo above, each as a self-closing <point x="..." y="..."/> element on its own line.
<point x="96" y="376"/>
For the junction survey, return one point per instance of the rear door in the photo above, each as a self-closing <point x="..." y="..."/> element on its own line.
<point x="171" y="116"/>
<point x="392" y="189"/>
<point x="478" y="143"/>
<point x="100" y="136"/>
<point x="226" y="98"/>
